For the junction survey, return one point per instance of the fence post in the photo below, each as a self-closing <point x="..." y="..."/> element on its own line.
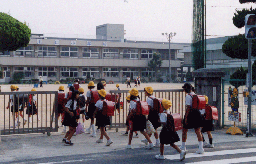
<point x="208" y="82"/>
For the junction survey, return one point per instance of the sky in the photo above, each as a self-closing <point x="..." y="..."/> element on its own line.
<point x="142" y="19"/>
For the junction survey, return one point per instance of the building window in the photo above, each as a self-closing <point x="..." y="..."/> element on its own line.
<point x="5" y="53"/>
<point x="130" y="53"/>
<point x="7" y="72"/>
<point x="90" y="52"/>
<point x="146" y="72"/>
<point x="146" y="54"/>
<point x="130" y="72"/>
<point x="110" y="72"/>
<point x="110" y="53"/>
<point x="69" y="72"/>
<point x="47" y="51"/>
<point x="25" y="51"/>
<point x="28" y="71"/>
<point x="89" y="72"/>
<point x="69" y="52"/>
<point x="47" y="71"/>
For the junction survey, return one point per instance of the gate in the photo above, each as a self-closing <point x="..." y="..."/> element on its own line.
<point x="240" y="85"/>
<point x="177" y="97"/>
<point x="42" y="119"/>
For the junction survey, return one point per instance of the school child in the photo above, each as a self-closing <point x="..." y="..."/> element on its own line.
<point x="192" y="120"/>
<point x="138" y="121"/>
<point x="61" y="101"/>
<point x="102" y="120"/>
<point x="81" y="104"/>
<point x="128" y="81"/>
<point x="118" y="99"/>
<point x="207" y="127"/>
<point x="128" y="99"/>
<point x="32" y="105"/>
<point x="22" y="103"/>
<point x="12" y="102"/>
<point x="168" y="135"/>
<point x="91" y="109"/>
<point x="135" y="82"/>
<point x="77" y="84"/>
<point x="67" y="97"/>
<point x="70" y="118"/>
<point x="153" y="116"/>
<point x="139" y="81"/>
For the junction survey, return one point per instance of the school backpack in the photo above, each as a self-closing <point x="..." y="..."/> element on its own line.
<point x="112" y="97"/>
<point x="157" y="105"/>
<point x="61" y="98"/>
<point x="211" y="113"/>
<point x="76" y="86"/>
<point x="108" y="108"/>
<point x="142" y="108"/>
<point x="81" y="101"/>
<point x="177" y="121"/>
<point x="198" y="102"/>
<point x="94" y="96"/>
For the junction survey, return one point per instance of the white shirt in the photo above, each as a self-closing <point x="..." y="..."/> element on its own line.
<point x="188" y="100"/>
<point x="69" y="103"/>
<point x="34" y="98"/>
<point x="150" y="101"/>
<point x="99" y="104"/>
<point x="133" y="104"/>
<point x="163" y="116"/>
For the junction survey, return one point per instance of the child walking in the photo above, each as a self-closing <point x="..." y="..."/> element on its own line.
<point x="138" y="121"/>
<point x="81" y="104"/>
<point x="153" y="116"/>
<point x="12" y="102"/>
<point x="168" y="135"/>
<point x="102" y="120"/>
<point x="91" y="109"/>
<point x="70" y="118"/>
<point x="32" y="105"/>
<point x="192" y="120"/>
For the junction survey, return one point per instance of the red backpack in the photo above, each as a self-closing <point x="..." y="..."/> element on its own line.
<point x="142" y="108"/>
<point x="94" y="96"/>
<point x="108" y="108"/>
<point x="76" y="86"/>
<point x="177" y="121"/>
<point x="61" y="98"/>
<point x="158" y="105"/>
<point x="211" y="113"/>
<point x="198" y="102"/>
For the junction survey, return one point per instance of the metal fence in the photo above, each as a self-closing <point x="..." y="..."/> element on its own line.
<point x="242" y="107"/>
<point x="177" y="97"/>
<point x="41" y="121"/>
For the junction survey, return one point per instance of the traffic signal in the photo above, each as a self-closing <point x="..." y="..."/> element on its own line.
<point x="250" y="26"/>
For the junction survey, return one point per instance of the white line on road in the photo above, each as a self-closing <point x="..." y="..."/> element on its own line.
<point x="214" y="153"/>
<point x="81" y="160"/>
<point x="227" y="161"/>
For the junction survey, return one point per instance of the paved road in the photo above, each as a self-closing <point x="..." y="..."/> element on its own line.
<point x="223" y="153"/>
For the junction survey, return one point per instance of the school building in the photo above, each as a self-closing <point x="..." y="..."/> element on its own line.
<point x="109" y="56"/>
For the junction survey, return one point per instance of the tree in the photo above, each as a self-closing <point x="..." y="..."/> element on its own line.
<point x="237" y="47"/>
<point x="17" y="76"/>
<point x="13" y="33"/>
<point x="240" y="74"/>
<point x="155" y="63"/>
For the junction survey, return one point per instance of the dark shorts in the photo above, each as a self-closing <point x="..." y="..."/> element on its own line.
<point x="153" y="117"/>
<point x="139" y="122"/>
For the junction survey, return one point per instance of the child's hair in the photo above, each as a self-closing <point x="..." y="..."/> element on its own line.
<point x="187" y="87"/>
<point x="102" y="98"/>
<point x="134" y="97"/>
<point x="100" y="86"/>
<point x="74" y="93"/>
<point x="90" y="87"/>
<point x="71" y="88"/>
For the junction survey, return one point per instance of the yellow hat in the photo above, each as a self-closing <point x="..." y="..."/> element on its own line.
<point x="134" y="92"/>
<point x="166" y="103"/>
<point x="81" y="90"/>
<point x="149" y="90"/>
<point x="128" y="98"/>
<point x="206" y="99"/>
<point x="61" y="88"/>
<point x="103" y="82"/>
<point x="117" y="85"/>
<point x="13" y="87"/>
<point x="91" y="84"/>
<point x="102" y="92"/>
<point x="33" y="89"/>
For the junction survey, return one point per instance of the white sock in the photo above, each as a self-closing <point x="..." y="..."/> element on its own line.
<point x="183" y="144"/>
<point x="64" y="128"/>
<point x="200" y="144"/>
<point x="93" y="129"/>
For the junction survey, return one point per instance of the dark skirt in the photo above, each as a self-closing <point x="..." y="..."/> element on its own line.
<point x="60" y="108"/>
<point x="21" y="108"/>
<point x="128" y="83"/>
<point x="207" y="126"/>
<point x="69" y="120"/>
<point x="139" y="122"/>
<point x="102" y="120"/>
<point x="167" y="136"/>
<point x="31" y="109"/>
<point x="153" y="117"/>
<point x="91" y="110"/>
<point x="82" y="111"/>
<point x="16" y="109"/>
<point x="194" y="120"/>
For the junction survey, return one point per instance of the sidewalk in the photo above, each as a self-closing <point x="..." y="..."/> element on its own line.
<point x="32" y="146"/>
